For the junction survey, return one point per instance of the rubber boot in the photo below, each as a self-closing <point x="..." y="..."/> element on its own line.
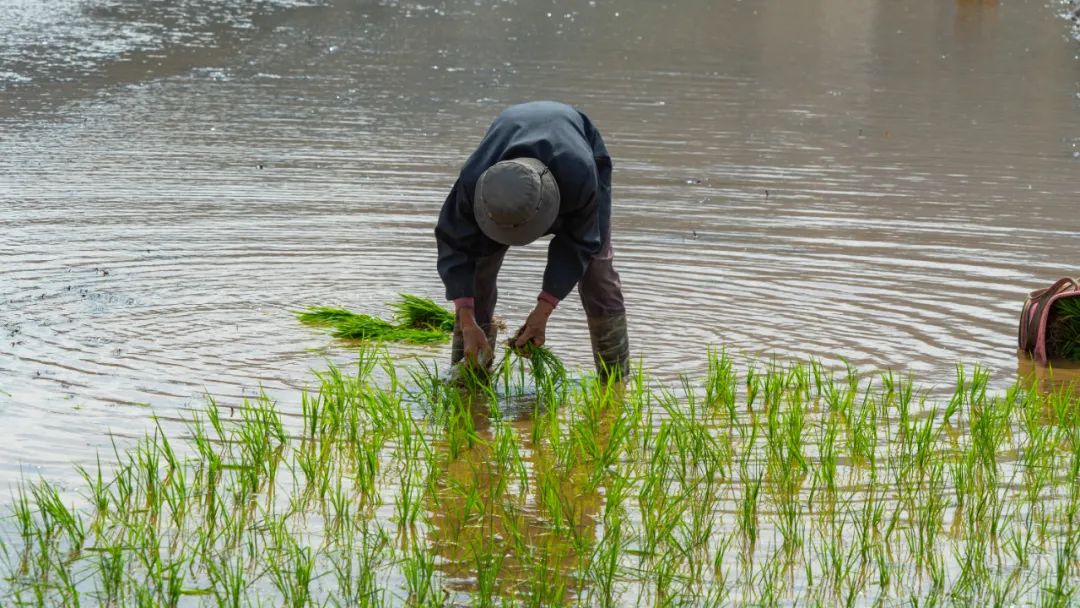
<point x="610" y="345"/>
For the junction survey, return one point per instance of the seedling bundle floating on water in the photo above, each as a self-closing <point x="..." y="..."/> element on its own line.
<point x="417" y="320"/>
<point x="419" y="313"/>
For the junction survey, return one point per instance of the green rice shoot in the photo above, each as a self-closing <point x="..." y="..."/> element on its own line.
<point x="1064" y="333"/>
<point x="779" y="484"/>
<point x="545" y="364"/>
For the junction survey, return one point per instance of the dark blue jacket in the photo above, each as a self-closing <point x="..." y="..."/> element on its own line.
<point x="565" y="140"/>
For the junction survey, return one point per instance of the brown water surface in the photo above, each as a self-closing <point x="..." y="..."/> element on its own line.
<point x="1058" y="376"/>
<point x="875" y="181"/>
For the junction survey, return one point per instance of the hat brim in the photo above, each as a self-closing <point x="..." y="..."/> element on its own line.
<point x="528" y="231"/>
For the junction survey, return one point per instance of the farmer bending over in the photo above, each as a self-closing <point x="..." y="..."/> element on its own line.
<point x="542" y="168"/>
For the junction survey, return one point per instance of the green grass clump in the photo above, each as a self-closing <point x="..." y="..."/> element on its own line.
<point x="419" y="321"/>
<point x="1065" y="331"/>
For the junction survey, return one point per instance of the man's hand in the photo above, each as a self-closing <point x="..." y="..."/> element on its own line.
<point x="477" y="348"/>
<point x="535" y="326"/>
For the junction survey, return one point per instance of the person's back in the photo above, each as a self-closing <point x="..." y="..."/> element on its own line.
<point x="557" y="135"/>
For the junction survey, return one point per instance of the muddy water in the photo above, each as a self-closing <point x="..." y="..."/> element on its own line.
<point x="875" y="181"/>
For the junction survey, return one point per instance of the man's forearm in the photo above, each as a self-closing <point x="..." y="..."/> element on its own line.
<point x="549" y="298"/>
<point x="544" y="307"/>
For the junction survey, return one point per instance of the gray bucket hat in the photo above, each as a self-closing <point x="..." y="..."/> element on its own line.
<point x="516" y="201"/>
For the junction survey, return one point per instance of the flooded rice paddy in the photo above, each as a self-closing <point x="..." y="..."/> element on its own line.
<point x="876" y="184"/>
<point x="786" y="484"/>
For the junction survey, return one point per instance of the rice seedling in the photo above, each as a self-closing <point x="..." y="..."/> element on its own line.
<point x="418" y="321"/>
<point x="386" y="485"/>
<point x="364" y="327"/>
<point x="748" y="508"/>
<point x="291" y="572"/>
<point x="545" y="365"/>
<point x="228" y="581"/>
<point x="720" y="384"/>
<point x="325" y="316"/>
<point x="420" y="313"/>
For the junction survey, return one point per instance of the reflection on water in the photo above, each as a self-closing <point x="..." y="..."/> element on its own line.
<point x="479" y="503"/>
<point x="50" y="50"/>
<point x="1057" y="376"/>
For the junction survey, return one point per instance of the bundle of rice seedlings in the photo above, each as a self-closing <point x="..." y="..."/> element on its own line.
<point x="366" y="327"/>
<point x="544" y="363"/>
<point x="325" y="316"/>
<point x="419" y="321"/>
<point x="422" y="313"/>
<point x="1064" y="332"/>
